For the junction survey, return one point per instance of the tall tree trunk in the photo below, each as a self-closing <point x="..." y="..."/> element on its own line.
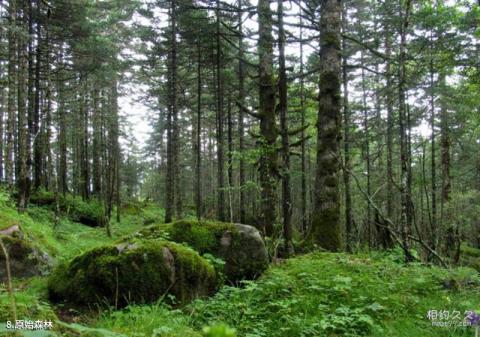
<point x="405" y="224"/>
<point x="30" y="90"/>
<point x="197" y="142"/>
<point x="433" y="168"/>
<point x="62" y="130"/>
<point x="230" y="158"/>
<point x="46" y="147"/>
<point x="96" y="158"/>
<point x="83" y="141"/>
<point x="21" y="154"/>
<point x="241" y="101"/>
<point x="302" y="135"/>
<point x="390" y="121"/>
<point x="37" y="137"/>
<point x="219" y="99"/>
<point x="3" y="90"/>
<point x="346" y="141"/>
<point x="445" y="149"/>
<point x="366" y="126"/>
<point x="172" y="110"/>
<point x="326" y="230"/>
<point x="267" y="113"/>
<point x="12" y="92"/>
<point x="282" y="107"/>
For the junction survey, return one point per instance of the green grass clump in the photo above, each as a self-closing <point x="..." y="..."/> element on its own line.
<point x="154" y="320"/>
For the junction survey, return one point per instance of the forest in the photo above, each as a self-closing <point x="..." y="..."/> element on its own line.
<point x="239" y="168"/>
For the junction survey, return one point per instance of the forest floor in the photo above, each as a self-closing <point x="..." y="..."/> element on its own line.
<point x="318" y="294"/>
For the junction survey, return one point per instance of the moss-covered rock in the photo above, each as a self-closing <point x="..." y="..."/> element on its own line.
<point x="89" y="212"/>
<point x="42" y="197"/>
<point x="469" y="256"/>
<point x="139" y="272"/>
<point x="240" y="246"/>
<point x="25" y="258"/>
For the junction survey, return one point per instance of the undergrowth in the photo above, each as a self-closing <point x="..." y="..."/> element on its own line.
<point x="318" y="294"/>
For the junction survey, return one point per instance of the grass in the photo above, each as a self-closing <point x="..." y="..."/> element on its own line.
<point x="319" y="294"/>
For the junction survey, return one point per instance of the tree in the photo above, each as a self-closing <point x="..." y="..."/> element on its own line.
<point x="325" y="227"/>
<point x="267" y="114"/>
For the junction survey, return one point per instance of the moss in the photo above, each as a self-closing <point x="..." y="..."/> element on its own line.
<point x="131" y="208"/>
<point x="326" y="231"/>
<point x="16" y="247"/>
<point x="203" y="236"/>
<point x="133" y="273"/>
<point x="244" y="254"/>
<point x="26" y="259"/>
<point x="7" y="221"/>
<point x="470" y="256"/>
<point x="467" y="250"/>
<point x="42" y="197"/>
<point x="86" y="212"/>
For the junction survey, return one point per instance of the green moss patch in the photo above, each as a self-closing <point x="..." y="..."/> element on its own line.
<point x="140" y="272"/>
<point x="42" y="197"/>
<point x="469" y="256"/>
<point x="88" y="212"/>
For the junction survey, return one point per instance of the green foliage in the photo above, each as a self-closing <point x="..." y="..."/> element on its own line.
<point x="157" y="320"/>
<point x="218" y="331"/>
<point x="336" y="294"/>
<point x="468" y="219"/>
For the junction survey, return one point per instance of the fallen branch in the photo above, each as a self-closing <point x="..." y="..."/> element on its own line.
<point x="9" y="281"/>
<point x="390" y="225"/>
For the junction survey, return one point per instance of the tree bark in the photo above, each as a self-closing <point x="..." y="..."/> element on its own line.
<point x="37" y="137"/>
<point x="268" y="129"/>
<point x="366" y="126"/>
<point x="197" y="141"/>
<point x="172" y="107"/>
<point x="405" y="217"/>
<point x="22" y="178"/>
<point x="282" y="107"/>
<point x="346" y="142"/>
<point x="62" y="130"/>
<point x="241" y="100"/>
<point x="97" y="151"/>
<point x="325" y="228"/>
<point x="12" y="92"/>
<point x="219" y="100"/>
<point x="304" y="142"/>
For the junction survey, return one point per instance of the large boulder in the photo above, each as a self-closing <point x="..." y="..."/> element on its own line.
<point x="240" y="246"/>
<point x="139" y="272"/>
<point x="25" y="258"/>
